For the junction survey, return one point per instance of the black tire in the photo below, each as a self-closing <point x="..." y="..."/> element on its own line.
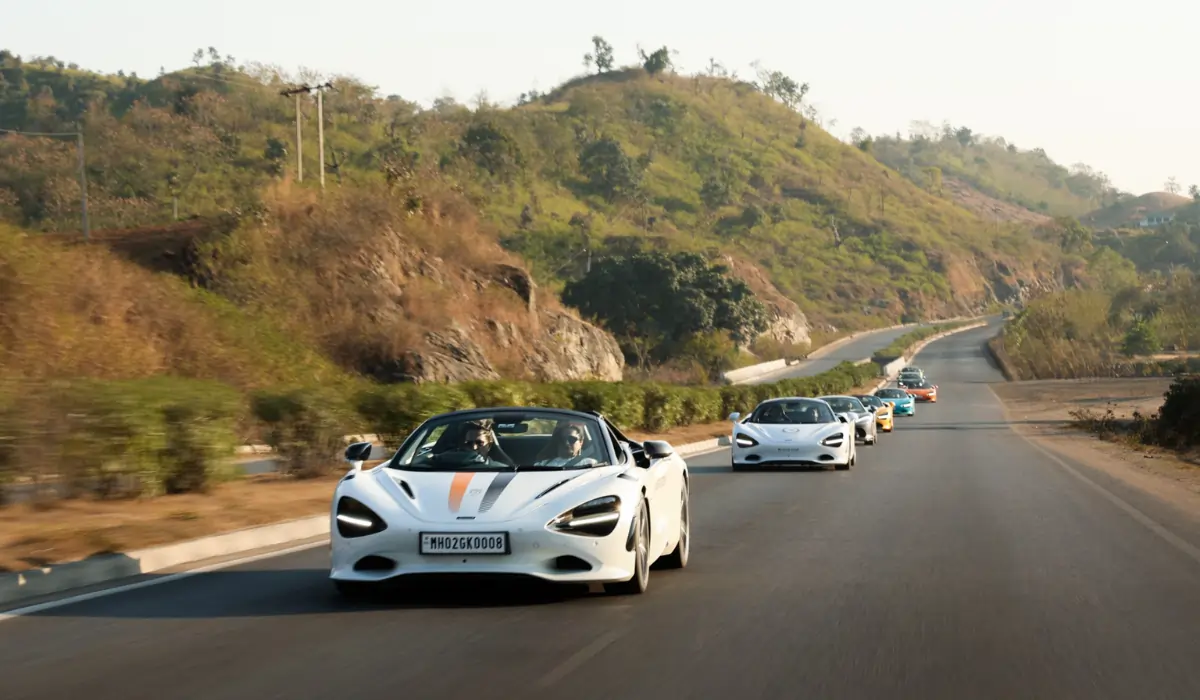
<point x="678" y="558"/>
<point x="641" y="564"/>
<point x="847" y="465"/>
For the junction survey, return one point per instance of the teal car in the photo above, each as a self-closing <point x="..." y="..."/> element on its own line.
<point x="903" y="404"/>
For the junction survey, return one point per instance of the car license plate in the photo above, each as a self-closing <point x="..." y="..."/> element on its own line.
<point x="464" y="543"/>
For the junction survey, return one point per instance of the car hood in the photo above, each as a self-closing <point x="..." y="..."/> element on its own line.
<point x="788" y="432"/>
<point x="888" y="399"/>
<point x="493" y="496"/>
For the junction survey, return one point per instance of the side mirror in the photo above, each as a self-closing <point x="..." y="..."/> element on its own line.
<point x="872" y="409"/>
<point x="358" y="453"/>
<point x="658" y="449"/>
<point x="734" y="416"/>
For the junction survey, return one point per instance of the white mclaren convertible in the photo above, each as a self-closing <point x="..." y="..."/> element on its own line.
<point x="553" y="494"/>
<point x="792" y="432"/>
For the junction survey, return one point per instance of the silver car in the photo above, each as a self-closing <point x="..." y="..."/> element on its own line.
<point x="863" y="417"/>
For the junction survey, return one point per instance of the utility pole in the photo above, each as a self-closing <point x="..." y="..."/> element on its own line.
<point x="321" y="126"/>
<point x="296" y="91"/>
<point x="78" y="136"/>
<point x="87" y="234"/>
<point x="299" y="142"/>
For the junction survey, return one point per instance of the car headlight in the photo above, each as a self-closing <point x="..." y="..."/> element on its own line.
<point x="596" y="518"/>
<point x="745" y="440"/>
<point x="356" y="520"/>
<point x="834" y="440"/>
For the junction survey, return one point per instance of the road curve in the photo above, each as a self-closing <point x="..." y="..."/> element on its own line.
<point x="860" y="348"/>
<point x="954" y="561"/>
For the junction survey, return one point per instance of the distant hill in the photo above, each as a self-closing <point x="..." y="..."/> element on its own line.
<point x="631" y="159"/>
<point x="996" y="168"/>
<point x="1130" y="211"/>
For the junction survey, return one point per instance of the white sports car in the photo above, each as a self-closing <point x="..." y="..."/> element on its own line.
<point x="792" y="432"/>
<point x="862" y="417"/>
<point x="553" y="494"/>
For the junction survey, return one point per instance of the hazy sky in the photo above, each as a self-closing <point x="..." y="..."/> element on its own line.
<point x="1101" y="82"/>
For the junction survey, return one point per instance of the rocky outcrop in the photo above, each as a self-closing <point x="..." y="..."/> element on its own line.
<point x="789" y="325"/>
<point x="489" y="338"/>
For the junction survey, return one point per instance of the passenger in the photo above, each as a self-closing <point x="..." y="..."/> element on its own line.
<point x="566" y="447"/>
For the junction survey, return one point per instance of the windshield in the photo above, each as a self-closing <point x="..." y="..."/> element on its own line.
<point x="870" y="401"/>
<point x="891" y="393"/>
<point x="792" y="412"/>
<point x="920" y="385"/>
<point x="845" y="404"/>
<point x="505" y="440"/>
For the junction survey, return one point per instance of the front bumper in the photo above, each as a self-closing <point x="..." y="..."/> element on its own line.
<point x="806" y="455"/>
<point x="904" y="409"/>
<point x="533" y="551"/>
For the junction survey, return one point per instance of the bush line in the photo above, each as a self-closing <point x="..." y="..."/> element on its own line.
<point x="904" y="343"/>
<point x="171" y="435"/>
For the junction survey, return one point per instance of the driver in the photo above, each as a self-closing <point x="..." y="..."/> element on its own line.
<point x="479" y="438"/>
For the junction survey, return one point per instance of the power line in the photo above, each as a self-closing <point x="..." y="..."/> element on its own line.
<point x="78" y="135"/>
<point x="39" y="133"/>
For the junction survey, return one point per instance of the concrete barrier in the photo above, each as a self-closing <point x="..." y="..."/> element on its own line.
<point x="60" y="578"/>
<point x="735" y="376"/>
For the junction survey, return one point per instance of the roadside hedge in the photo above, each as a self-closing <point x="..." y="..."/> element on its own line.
<point x="118" y="438"/>
<point x="170" y="435"/>
<point x="901" y="345"/>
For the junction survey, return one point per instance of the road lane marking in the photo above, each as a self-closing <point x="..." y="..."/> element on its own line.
<point x="1146" y="521"/>
<point x="49" y="605"/>
<point x="578" y="658"/>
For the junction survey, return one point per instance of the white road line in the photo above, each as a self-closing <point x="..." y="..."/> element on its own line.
<point x="49" y="605"/>
<point x="1145" y="520"/>
<point x="578" y="659"/>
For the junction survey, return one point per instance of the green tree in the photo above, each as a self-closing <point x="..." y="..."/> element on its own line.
<point x="656" y="62"/>
<point x="1140" y="339"/>
<point x="610" y="172"/>
<point x="601" y="55"/>
<point x="1194" y="191"/>
<point x="491" y="148"/>
<point x="665" y="299"/>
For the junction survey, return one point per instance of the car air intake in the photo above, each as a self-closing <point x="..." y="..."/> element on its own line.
<point x="570" y="563"/>
<point x="374" y="563"/>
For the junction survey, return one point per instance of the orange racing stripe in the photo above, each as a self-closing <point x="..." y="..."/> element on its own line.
<point x="458" y="489"/>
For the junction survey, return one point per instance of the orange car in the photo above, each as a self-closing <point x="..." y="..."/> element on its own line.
<point x="920" y="389"/>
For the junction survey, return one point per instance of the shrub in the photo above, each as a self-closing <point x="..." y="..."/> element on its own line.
<point x="305" y="426"/>
<point x="394" y="411"/>
<point x="122" y="438"/>
<point x="1179" y="417"/>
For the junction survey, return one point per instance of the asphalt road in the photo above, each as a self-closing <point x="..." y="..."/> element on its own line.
<point x="954" y="561"/>
<point x="860" y="348"/>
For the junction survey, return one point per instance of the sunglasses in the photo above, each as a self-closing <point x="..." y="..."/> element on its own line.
<point x="476" y="444"/>
<point x="571" y="438"/>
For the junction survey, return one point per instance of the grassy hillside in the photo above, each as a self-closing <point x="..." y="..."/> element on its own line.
<point x="1128" y="211"/>
<point x="74" y="311"/>
<point x="996" y="168"/>
<point x="607" y="164"/>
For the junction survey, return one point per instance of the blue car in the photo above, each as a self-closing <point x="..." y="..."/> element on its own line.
<point x="902" y="402"/>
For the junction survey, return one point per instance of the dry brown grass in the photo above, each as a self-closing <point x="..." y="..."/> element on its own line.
<point x="69" y="311"/>
<point x="80" y="528"/>
<point x="366" y="276"/>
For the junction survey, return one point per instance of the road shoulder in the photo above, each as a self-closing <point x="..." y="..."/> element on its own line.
<point x="1040" y="411"/>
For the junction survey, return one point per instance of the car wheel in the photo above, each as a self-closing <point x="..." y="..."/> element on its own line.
<point x="678" y="558"/>
<point x="641" y="558"/>
<point x="849" y="463"/>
